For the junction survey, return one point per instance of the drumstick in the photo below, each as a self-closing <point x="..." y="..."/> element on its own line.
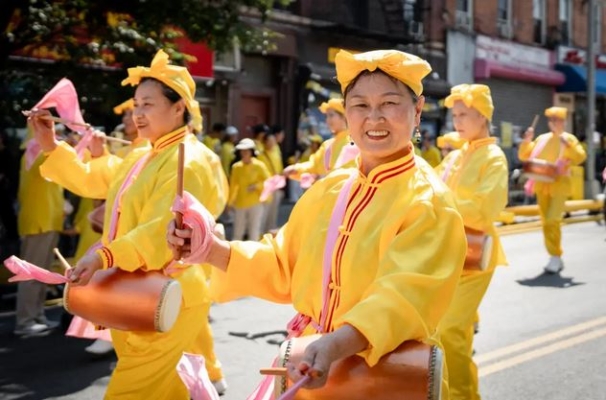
<point x="180" y="163"/>
<point x="67" y="122"/>
<point x="276" y="371"/>
<point x="63" y="261"/>
<point x="535" y="121"/>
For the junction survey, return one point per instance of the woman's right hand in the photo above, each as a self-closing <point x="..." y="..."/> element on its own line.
<point x="529" y="134"/>
<point x="288" y="171"/>
<point x="44" y="129"/>
<point x="97" y="144"/>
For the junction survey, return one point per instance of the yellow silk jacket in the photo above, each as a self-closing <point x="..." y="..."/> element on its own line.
<point x="40" y="202"/>
<point x="140" y="241"/>
<point x="245" y="175"/>
<point x="137" y="143"/>
<point x="432" y="156"/>
<point x="574" y="154"/>
<point x="392" y="277"/>
<point x="315" y="165"/>
<point x="227" y="156"/>
<point x="479" y="180"/>
<point x="272" y="160"/>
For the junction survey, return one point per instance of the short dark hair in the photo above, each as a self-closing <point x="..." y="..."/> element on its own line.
<point x="260" y="128"/>
<point x="171" y="95"/>
<point x="218" y="127"/>
<point x="276" y="129"/>
<point x="366" y="72"/>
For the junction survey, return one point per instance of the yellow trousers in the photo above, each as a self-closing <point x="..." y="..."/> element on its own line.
<point x="551" y="207"/>
<point x="147" y="361"/>
<point x="204" y="346"/>
<point x="456" y="335"/>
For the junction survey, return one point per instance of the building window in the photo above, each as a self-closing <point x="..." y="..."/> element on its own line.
<point x="504" y="18"/>
<point x="538" y="17"/>
<point x="464" y="14"/>
<point x="565" y="21"/>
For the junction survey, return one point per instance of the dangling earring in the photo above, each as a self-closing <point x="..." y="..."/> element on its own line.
<point x="351" y="142"/>
<point x="417" y="135"/>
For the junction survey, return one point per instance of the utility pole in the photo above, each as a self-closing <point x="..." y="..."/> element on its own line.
<point x="593" y="11"/>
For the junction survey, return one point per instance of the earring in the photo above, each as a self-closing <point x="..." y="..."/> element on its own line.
<point x="417" y="135"/>
<point x="351" y="142"/>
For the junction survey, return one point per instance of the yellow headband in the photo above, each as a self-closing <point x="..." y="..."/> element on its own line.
<point x="451" y="139"/>
<point x="407" y="68"/>
<point x="175" y="77"/>
<point x="473" y="96"/>
<point x="333" y="104"/>
<point x="556" y="112"/>
<point x="126" y="106"/>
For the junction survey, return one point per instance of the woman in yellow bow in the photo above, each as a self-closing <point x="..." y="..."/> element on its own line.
<point x="478" y="177"/>
<point x="389" y="279"/>
<point x="133" y="239"/>
<point x="563" y="149"/>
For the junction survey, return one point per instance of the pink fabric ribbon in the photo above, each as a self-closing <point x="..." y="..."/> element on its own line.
<point x="272" y="185"/>
<point x="32" y="151"/>
<point x="202" y="224"/>
<point x="348" y="153"/>
<point x="81" y="328"/>
<point x="307" y="180"/>
<point x="193" y="373"/>
<point x="25" y="271"/>
<point x="292" y="391"/>
<point x="84" y="142"/>
<point x="64" y="99"/>
<point x="604" y="175"/>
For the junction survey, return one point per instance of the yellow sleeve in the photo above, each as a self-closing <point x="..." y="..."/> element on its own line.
<point x="145" y="246"/>
<point x="91" y="179"/>
<point x="415" y="281"/>
<point x="315" y="164"/>
<point x="481" y="205"/>
<point x="434" y="157"/>
<point x="446" y="161"/>
<point x="574" y="151"/>
<point x="526" y="149"/>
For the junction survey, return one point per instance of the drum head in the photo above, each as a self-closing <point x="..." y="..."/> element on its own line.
<point x="170" y="304"/>
<point x="486" y="253"/>
<point x="436" y="374"/>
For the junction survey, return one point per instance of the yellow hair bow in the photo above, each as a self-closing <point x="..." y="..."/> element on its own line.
<point x="407" y="68"/>
<point x="173" y="76"/>
<point x="451" y="139"/>
<point x="125" y="106"/>
<point x="334" y="104"/>
<point x="556" y="112"/>
<point x="473" y="96"/>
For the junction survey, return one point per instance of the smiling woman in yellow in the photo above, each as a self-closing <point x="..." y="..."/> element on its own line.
<point x="391" y="280"/>
<point x="164" y="98"/>
<point x="477" y="174"/>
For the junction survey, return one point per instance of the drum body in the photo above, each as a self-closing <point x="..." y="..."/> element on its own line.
<point x="128" y="301"/>
<point x="540" y="170"/>
<point x="479" y="250"/>
<point x="411" y="372"/>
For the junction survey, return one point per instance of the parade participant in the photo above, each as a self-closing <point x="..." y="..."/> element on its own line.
<point x="245" y="187"/>
<point x="392" y="280"/>
<point x="325" y="159"/>
<point x="448" y="142"/>
<point x="563" y="149"/>
<point x="141" y="189"/>
<point x="213" y="139"/>
<point x="429" y="152"/>
<point x="271" y="156"/>
<point x="477" y="175"/>
<point x="130" y="133"/>
<point x="39" y="221"/>
<point x="228" y="148"/>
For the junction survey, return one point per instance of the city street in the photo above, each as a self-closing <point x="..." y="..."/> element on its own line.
<point x="541" y="337"/>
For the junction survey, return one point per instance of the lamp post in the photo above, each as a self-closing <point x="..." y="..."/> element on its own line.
<point x="593" y="10"/>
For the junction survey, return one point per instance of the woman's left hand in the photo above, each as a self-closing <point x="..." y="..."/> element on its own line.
<point x="80" y="275"/>
<point x="316" y="362"/>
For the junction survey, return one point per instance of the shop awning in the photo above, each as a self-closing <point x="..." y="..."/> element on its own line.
<point x="576" y="79"/>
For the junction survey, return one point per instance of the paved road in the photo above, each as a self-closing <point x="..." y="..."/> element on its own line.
<point x="541" y="337"/>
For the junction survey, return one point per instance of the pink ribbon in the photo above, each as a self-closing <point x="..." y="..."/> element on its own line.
<point x="272" y="185"/>
<point x="81" y="328"/>
<point x="84" y="142"/>
<point x="32" y="151"/>
<point x="25" y="271"/>
<point x="201" y="222"/>
<point x="307" y="180"/>
<point x="290" y="393"/>
<point x="348" y="153"/>
<point x="604" y="175"/>
<point x="193" y="373"/>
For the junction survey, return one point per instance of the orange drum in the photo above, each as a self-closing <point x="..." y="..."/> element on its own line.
<point x="127" y="301"/>
<point x="95" y="218"/>
<point x="479" y="250"/>
<point x="413" y="372"/>
<point x="540" y="170"/>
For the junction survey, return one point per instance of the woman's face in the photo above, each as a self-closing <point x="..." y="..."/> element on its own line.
<point x="381" y="116"/>
<point x="556" y="125"/>
<point x="246" y="156"/>
<point x="335" y="121"/>
<point x="154" y="114"/>
<point x="130" y="129"/>
<point x="468" y="121"/>
<point x="269" y="142"/>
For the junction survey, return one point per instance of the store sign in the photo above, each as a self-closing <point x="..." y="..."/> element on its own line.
<point x="510" y="53"/>
<point x="571" y="55"/>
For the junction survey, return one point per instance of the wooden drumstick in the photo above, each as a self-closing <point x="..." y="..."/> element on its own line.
<point x="180" y="166"/>
<point x="535" y="121"/>
<point x="275" y="371"/>
<point x="63" y="261"/>
<point x="67" y="122"/>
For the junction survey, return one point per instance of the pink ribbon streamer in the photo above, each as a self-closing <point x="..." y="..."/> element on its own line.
<point x="25" y="271"/>
<point x="604" y="175"/>
<point x="307" y="180"/>
<point x="193" y="373"/>
<point x="348" y="153"/>
<point x="272" y="185"/>
<point x="32" y="151"/>
<point x="81" y="328"/>
<point x="202" y="224"/>
<point x="64" y="99"/>
<point x="84" y="142"/>
<point x="290" y="393"/>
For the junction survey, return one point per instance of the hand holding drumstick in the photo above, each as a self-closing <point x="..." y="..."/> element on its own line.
<point x="529" y="134"/>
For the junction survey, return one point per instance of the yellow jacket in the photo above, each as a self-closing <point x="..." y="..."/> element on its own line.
<point x="145" y="207"/>
<point x="242" y="177"/>
<point x="432" y="156"/>
<point x="316" y="163"/>
<point x="212" y="143"/>
<point x="227" y="156"/>
<point x="273" y="160"/>
<point x="573" y="153"/>
<point x="40" y="202"/>
<point x="88" y="236"/>
<point x="393" y="278"/>
<point x="479" y="180"/>
<point x="137" y="143"/>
